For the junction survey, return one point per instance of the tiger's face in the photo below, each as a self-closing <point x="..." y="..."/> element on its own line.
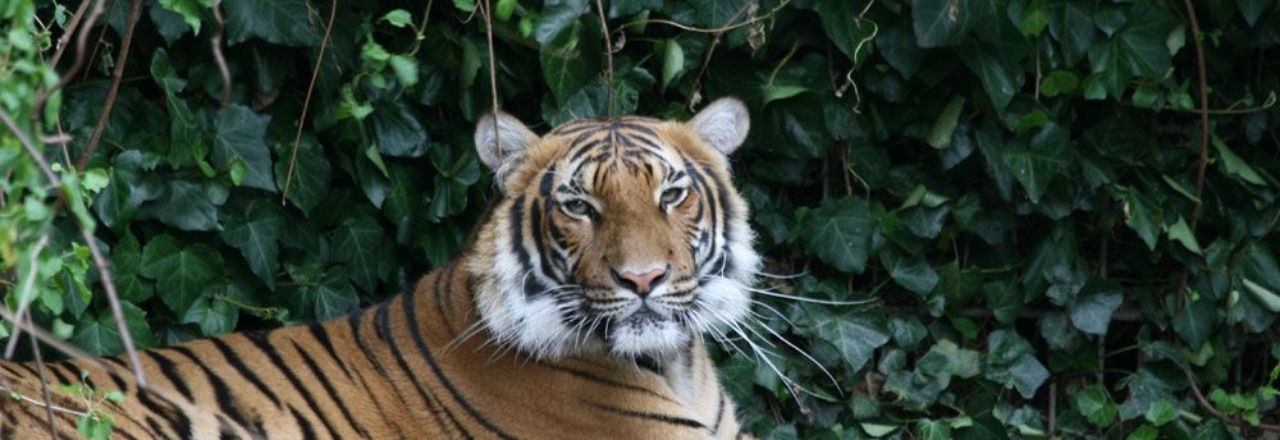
<point x="622" y="236"/>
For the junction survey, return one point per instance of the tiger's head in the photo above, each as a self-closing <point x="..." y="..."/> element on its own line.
<point x="622" y="236"/>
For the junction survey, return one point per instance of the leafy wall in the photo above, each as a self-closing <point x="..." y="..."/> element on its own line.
<point x="1061" y="213"/>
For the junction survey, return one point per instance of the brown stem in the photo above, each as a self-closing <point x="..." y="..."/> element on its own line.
<point x="306" y="102"/>
<point x="82" y="37"/>
<point x="44" y="382"/>
<point x="608" y="56"/>
<point x="1203" y="161"/>
<point x="1208" y="407"/>
<point x="215" y="45"/>
<point x="116" y="76"/>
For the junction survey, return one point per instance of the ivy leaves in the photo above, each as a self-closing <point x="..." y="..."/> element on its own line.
<point x="1012" y="183"/>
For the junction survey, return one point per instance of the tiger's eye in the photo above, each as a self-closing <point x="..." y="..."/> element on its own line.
<point x="577" y="208"/>
<point x="672" y="196"/>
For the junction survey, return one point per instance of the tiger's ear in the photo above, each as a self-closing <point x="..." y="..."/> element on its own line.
<point x="723" y="124"/>
<point x="501" y="138"/>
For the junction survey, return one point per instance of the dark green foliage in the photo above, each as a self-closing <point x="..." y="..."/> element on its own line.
<point x="1015" y="185"/>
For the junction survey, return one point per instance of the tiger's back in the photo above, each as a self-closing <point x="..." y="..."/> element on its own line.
<point x="556" y="322"/>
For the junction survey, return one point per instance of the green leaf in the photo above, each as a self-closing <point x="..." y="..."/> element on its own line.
<point x="465" y="5"/>
<point x="398" y="18"/>
<point x="877" y="430"/>
<point x="1233" y="165"/>
<point x="284" y="22"/>
<point x="672" y="61"/>
<point x="398" y="130"/>
<point x="1196" y="323"/>
<point x="126" y="260"/>
<point x="1035" y="166"/>
<point x="1142" y="41"/>
<point x="1252" y="9"/>
<point x="360" y="244"/>
<point x="939" y="136"/>
<point x="189" y="10"/>
<point x="839" y="233"/>
<point x="1059" y="82"/>
<point x="187" y="205"/>
<point x="334" y="296"/>
<point x="1011" y="362"/>
<point x="256" y="233"/>
<point x="504" y="9"/>
<point x="1181" y="233"/>
<point x="406" y="70"/>
<point x="309" y="170"/>
<point x="945" y="357"/>
<point x="130" y="185"/>
<point x="913" y="273"/>
<point x="1144" y="432"/>
<point x="1162" y="412"/>
<point x="1143" y="216"/>
<point x="897" y="45"/>
<point x="854" y="336"/>
<point x="1268" y="299"/>
<point x="169" y="24"/>
<point x="1092" y="313"/>
<point x="1071" y="24"/>
<point x="933" y="430"/>
<point x="98" y="334"/>
<point x="849" y="32"/>
<point x="571" y="59"/>
<point x="213" y="315"/>
<point x="181" y="272"/>
<point x="939" y="23"/>
<point x="1095" y="405"/>
<point x="998" y="75"/>
<point x="240" y="133"/>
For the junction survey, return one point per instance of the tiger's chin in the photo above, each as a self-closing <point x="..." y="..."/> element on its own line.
<point x="645" y="335"/>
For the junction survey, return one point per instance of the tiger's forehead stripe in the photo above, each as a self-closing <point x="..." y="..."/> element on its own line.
<point x="634" y="143"/>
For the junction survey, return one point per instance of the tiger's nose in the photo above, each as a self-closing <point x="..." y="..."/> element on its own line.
<point x="640" y="283"/>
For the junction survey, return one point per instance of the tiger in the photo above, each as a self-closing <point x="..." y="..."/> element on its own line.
<point x="577" y="310"/>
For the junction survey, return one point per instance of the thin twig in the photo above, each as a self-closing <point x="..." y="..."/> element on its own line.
<point x="306" y="102"/>
<point x="1208" y="407"/>
<point x="1204" y="138"/>
<point x="718" y="30"/>
<point x="44" y="380"/>
<point x="1204" y="113"/>
<point x="81" y="42"/>
<point x="24" y="294"/>
<point x="608" y="56"/>
<point x="493" y="76"/>
<point x="215" y="45"/>
<point x="117" y="76"/>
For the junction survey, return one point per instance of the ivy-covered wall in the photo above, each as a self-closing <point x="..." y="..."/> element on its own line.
<point x="1021" y="219"/>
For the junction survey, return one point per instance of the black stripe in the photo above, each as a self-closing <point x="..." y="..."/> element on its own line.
<point x="321" y="333"/>
<point x="383" y="328"/>
<point x="606" y="381"/>
<point x="416" y="334"/>
<point x="178" y="422"/>
<point x="169" y="369"/>
<point x="333" y="396"/>
<point x="663" y="418"/>
<point x="307" y="431"/>
<point x="232" y="358"/>
<point x="221" y="390"/>
<point x="261" y="341"/>
<point x="440" y="300"/>
<point x="721" y="408"/>
<point x="548" y="180"/>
